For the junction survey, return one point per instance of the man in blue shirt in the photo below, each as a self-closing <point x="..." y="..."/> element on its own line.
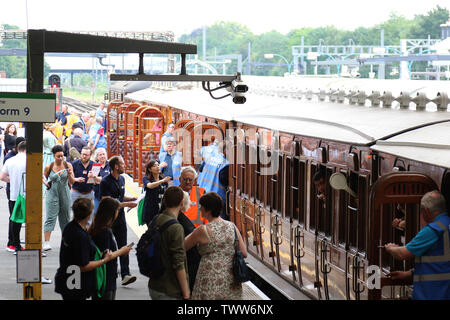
<point x="82" y="170"/>
<point x="431" y="250"/>
<point x="171" y="161"/>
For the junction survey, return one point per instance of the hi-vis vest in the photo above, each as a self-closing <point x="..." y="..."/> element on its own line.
<point x="209" y="177"/>
<point x="432" y="270"/>
<point x="71" y="119"/>
<point x="193" y="213"/>
<point x="177" y="159"/>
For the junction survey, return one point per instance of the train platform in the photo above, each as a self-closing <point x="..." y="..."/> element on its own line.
<point x="11" y="290"/>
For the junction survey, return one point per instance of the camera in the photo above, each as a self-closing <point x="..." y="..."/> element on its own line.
<point x="238" y="89"/>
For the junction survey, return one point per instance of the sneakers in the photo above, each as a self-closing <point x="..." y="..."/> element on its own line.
<point x="11" y="249"/>
<point x="128" y="279"/>
<point x="46" y="246"/>
<point x="45" y="280"/>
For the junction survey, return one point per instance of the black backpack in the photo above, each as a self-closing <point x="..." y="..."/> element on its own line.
<point x="148" y="250"/>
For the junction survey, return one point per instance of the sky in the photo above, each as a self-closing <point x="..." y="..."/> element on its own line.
<point x="183" y="16"/>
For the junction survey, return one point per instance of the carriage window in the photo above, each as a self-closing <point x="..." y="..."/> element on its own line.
<point x="252" y="173"/>
<point x="321" y="201"/>
<point x="287" y="187"/>
<point x="248" y="173"/>
<point x="241" y="167"/>
<point x="297" y="206"/>
<point x="446" y="188"/>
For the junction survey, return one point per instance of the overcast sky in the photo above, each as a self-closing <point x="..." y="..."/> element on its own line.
<point x="183" y="16"/>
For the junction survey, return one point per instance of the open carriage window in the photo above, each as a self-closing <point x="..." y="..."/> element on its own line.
<point x="321" y="212"/>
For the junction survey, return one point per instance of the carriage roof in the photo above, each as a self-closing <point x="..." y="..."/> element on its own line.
<point x="429" y="144"/>
<point x="355" y="124"/>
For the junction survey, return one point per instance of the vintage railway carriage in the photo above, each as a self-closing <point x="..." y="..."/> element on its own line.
<point x="275" y="146"/>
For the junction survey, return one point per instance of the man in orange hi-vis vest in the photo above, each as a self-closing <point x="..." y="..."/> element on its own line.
<point x="187" y="179"/>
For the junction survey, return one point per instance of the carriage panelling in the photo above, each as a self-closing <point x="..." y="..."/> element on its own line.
<point x="112" y="115"/>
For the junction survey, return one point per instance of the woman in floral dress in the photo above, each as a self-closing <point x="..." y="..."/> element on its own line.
<point x="215" y="241"/>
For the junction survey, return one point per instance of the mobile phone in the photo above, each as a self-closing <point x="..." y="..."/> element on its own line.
<point x="131" y="245"/>
<point x="104" y="253"/>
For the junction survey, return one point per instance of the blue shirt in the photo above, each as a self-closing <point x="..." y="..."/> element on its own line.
<point x="80" y="171"/>
<point x="423" y="240"/>
<point x="167" y="171"/>
<point x="113" y="188"/>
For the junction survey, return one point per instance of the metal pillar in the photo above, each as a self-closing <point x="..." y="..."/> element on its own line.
<point x="33" y="134"/>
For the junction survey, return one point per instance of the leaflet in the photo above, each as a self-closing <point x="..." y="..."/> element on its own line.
<point x="96" y="171"/>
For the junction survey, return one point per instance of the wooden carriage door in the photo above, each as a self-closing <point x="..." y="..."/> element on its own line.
<point x="129" y="137"/>
<point x="134" y="155"/>
<point x="111" y="127"/>
<point x="121" y="127"/>
<point x="151" y="129"/>
<point x="390" y="191"/>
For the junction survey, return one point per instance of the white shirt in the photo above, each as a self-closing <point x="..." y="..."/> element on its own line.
<point x="15" y="167"/>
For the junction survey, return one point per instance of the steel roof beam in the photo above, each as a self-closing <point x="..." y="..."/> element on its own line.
<point x="54" y="41"/>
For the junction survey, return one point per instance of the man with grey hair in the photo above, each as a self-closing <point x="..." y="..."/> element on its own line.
<point x="431" y="250"/>
<point x="170" y="161"/>
<point x="77" y="142"/>
<point x="97" y="134"/>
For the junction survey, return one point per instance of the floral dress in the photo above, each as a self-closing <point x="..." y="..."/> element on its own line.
<point x="214" y="280"/>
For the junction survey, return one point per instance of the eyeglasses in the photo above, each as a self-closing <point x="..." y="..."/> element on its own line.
<point x="187" y="179"/>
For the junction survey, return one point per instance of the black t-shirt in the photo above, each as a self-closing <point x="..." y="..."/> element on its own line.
<point x="153" y="199"/>
<point x="105" y="240"/>
<point x="113" y="188"/>
<point x="80" y="171"/>
<point x="77" y="248"/>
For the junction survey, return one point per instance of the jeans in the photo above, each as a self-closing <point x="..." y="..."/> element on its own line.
<point x="14" y="229"/>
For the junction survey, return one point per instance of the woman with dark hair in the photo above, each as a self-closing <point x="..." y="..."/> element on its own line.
<point x="155" y="184"/>
<point x="103" y="237"/>
<point x="10" y="137"/>
<point x="216" y="245"/>
<point x="77" y="256"/>
<point x="58" y="175"/>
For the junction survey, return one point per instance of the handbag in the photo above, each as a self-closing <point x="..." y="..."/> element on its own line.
<point x="100" y="276"/>
<point x="240" y="269"/>
<point x="140" y="210"/>
<point x="18" y="214"/>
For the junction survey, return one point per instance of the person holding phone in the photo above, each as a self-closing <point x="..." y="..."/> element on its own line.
<point x="102" y="235"/>
<point x="58" y="176"/>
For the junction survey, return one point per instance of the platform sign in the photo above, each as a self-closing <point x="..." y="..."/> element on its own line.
<point x="27" y="107"/>
<point x="28" y="266"/>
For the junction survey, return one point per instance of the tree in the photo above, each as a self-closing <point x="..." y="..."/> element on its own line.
<point x="424" y="25"/>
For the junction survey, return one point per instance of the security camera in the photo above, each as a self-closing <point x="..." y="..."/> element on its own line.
<point x="238" y="97"/>
<point x="238" y="90"/>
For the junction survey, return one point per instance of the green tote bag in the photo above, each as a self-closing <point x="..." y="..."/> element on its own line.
<point x="18" y="214"/>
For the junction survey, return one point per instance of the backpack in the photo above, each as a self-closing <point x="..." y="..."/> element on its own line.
<point x="148" y="250"/>
<point x="74" y="154"/>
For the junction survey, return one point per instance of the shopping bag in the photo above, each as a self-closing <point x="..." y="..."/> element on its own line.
<point x="18" y="214"/>
<point x="100" y="276"/>
<point x="140" y="212"/>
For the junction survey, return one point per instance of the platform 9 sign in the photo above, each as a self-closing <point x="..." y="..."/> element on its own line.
<point x="27" y="107"/>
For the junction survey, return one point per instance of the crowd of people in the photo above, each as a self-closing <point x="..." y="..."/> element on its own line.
<point x="90" y="211"/>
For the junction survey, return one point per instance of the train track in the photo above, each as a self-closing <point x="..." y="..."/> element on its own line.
<point x="78" y="105"/>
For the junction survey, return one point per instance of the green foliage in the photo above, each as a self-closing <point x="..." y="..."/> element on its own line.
<point x="15" y="67"/>
<point x="233" y="38"/>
